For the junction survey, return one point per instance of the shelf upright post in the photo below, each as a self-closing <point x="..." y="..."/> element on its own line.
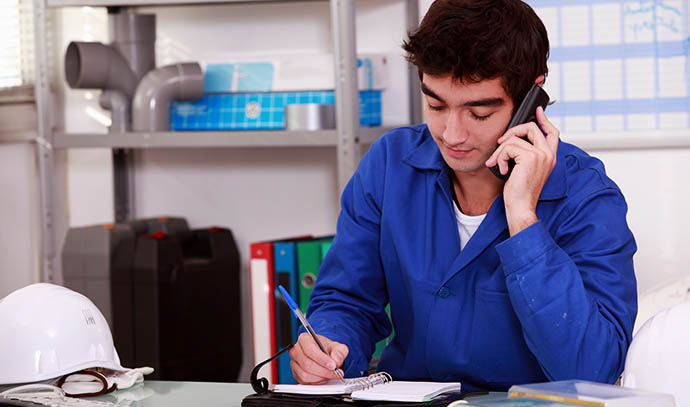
<point x="44" y="144"/>
<point x="346" y="88"/>
<point x="416" y="116"/>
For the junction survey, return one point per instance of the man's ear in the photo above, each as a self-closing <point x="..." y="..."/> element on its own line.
<point x="540" y="80"/>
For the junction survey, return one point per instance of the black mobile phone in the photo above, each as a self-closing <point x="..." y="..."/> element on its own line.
<point x="526" y="112"/>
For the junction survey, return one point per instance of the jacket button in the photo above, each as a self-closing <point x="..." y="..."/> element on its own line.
<point x="444" y="292"/>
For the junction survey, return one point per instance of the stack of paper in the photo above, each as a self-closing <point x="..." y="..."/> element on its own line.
<point x="592" y="394"/>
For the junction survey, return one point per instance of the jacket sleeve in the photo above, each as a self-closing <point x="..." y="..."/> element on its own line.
<point x="348" y="300"/>
<point x="573" y="287"/>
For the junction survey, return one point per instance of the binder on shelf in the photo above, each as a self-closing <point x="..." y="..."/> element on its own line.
<point x="262" y="279"/>
<point x="285" y="256"/>
<point x="308" y="273"/>
<point x="324" y="248"/>
<point x="309" y="257"/>
<point x="262" y="283"/>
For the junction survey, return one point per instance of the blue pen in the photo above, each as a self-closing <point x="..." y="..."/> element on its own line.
<point x="293" y="305"/>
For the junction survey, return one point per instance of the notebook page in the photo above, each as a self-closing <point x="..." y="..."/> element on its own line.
<point x="405" y="391"/>
<point x="332" y="387"/>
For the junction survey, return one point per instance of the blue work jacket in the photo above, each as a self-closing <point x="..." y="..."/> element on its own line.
<point x="556" y="301"/>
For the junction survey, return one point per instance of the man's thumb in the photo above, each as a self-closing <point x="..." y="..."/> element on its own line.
<point x="339" y="353"/>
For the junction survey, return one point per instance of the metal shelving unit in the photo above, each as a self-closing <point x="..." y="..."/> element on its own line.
<point x="142" y="3"/>
<point x="346" y="138"/>
<point x="44" y="148"/>
<point x="212" y="139"/>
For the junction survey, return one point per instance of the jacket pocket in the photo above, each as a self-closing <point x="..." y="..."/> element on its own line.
<point x="499" y="354"/>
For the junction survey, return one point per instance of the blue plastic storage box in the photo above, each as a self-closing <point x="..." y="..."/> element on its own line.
<point x="260" y="111"/>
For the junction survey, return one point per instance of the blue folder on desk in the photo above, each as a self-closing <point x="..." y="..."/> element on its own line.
<point x="285" y="258"/>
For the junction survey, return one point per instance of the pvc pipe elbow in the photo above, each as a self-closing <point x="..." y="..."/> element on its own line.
<point x="118" y="104"/>
<point x="92" y="65"/>
<point x="156" y="91"/>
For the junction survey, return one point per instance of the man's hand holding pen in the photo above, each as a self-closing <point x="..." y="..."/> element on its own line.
<point x="315" y="358"/>
<point x="312" y="366"/>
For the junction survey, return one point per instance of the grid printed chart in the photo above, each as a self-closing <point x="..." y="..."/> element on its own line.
<point x="617" y="65"/>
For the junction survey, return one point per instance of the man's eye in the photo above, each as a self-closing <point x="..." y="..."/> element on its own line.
<point x="480" y="118"/>
<point x="436" y="108"/>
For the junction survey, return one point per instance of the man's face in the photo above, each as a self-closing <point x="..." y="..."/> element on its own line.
<point x="466" y="119"/>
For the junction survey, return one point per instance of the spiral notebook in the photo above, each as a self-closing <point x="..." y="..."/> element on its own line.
<point x="378" y="386"/>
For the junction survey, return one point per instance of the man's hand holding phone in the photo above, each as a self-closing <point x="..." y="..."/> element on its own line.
<point x="310" y="365"/>
<point x="535" y="158"/>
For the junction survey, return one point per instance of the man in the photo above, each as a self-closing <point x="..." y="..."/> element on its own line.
<point x="490" y="282"/>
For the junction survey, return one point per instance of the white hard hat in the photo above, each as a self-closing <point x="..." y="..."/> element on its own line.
<point x="660" y="297"/>
<point x="659" y="354"/>
<point x="49" y="331"/>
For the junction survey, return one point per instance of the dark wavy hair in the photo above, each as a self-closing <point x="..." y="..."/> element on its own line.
<point x="481" y="39"/>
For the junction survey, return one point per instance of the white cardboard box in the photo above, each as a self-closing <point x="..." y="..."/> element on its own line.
<point x="290" y="73"/>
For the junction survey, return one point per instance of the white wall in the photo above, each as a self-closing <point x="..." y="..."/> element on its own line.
<point x="655" y="185"/>
<point x="273" y="192"/>
<point x="18" y="217"/>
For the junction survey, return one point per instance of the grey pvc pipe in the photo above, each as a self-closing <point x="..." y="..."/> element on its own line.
<point x="134" y="35"/>
<point x="92" y="65"/>
<point x="151" y="104"/>
<point x="118" y="104"/>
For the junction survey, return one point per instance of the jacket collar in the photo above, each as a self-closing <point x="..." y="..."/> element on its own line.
<point x="427" y="156"/>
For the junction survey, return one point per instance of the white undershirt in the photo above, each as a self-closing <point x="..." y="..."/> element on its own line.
<point x="467" y="225"/>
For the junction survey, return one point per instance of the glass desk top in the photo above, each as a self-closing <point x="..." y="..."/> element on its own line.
<point x="154" y="393"/>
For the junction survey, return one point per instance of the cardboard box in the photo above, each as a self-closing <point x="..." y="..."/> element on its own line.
<point x="291" y="73"/>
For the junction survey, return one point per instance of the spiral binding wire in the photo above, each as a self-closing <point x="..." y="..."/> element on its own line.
<point x="363" y="383"/>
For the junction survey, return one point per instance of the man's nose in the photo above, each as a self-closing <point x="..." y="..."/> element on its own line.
<point x="456" y="131"/>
